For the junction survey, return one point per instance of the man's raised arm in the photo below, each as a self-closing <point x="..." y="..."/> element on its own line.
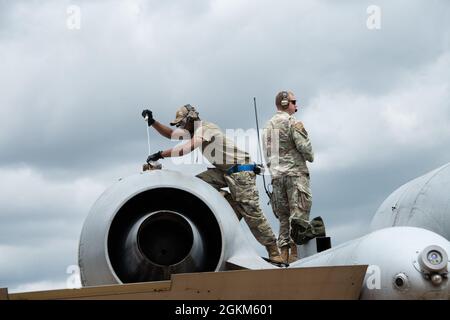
<point x="163" y="130"/>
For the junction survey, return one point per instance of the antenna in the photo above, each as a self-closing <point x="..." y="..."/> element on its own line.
<point x="259" y="149"/>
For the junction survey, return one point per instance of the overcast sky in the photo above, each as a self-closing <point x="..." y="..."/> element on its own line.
<point x="374" y="101"/>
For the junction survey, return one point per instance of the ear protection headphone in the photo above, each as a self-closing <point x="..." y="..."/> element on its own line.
<point x="284" y="99"/>
<point x="192" y="113"/>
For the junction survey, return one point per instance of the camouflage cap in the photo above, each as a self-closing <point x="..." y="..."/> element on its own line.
<point x="183" y="112"/>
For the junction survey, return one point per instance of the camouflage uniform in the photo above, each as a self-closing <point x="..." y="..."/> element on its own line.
<point x="243" y="196"/>
<point x="287" y="148"/>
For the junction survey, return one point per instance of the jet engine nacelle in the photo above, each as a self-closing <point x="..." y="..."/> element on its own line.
<point x="151" y="225"/>
<point x="423" y="202"/>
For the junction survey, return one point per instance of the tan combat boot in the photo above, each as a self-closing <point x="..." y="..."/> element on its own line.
<point x="294" y="254"/>
<point x="285" y="254"/>
<point x="274" y="254"/>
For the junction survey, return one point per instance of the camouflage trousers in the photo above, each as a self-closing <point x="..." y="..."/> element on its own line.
<point x="291" y="201"/>
<point x="244" y="199"/>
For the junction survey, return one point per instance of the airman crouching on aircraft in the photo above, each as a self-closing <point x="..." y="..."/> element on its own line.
<point x="233" y="169"/>
<point x="287" y="148"/>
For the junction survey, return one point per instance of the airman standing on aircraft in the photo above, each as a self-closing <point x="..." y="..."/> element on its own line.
<point x="287" y="148"/>
<point x="233" y="169"/>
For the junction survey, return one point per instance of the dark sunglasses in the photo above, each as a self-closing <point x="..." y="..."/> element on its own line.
<point x="294" y="102"/>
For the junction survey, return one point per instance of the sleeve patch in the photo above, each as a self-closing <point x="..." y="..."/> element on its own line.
<point x="300" y="129"/>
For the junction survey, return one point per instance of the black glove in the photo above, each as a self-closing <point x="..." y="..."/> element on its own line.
<point x="155" y="157"/>
<point x="149" y="115"/>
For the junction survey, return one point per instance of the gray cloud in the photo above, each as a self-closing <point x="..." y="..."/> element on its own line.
<point x="164" y="56"/>
<point x="376" y="103"/>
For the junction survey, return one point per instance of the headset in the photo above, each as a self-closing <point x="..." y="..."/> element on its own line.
<point x="192" y="113"/>
<point x="284" y="99"/>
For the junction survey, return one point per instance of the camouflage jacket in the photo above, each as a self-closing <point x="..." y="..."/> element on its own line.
<point x="286" y="146"/>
